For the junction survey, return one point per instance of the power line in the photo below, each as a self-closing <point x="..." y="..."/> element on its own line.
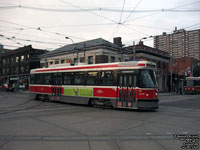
<point x="42" y="30"/>
<point x="171" y="9"/>
<point x="106" y="18"/>
<point x="98" y="9"/>
<point x="192" y="25"/>
<point x="14" y="38"/>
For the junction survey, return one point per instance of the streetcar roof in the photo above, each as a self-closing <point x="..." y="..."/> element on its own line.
<point x="103" y="66"/>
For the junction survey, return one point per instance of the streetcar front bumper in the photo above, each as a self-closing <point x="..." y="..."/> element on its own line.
<point x="147" y="104"/>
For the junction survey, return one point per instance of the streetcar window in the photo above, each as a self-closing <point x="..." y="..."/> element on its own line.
<point x="79" y="78"/>
<point x="32" y="79"/>
<point x="68" y="78"/>
<point x="92" y="78"/>
<point x="48" y="79"/>
<point x="197" y="82"/>
<point x="146" y="79"/>
<point x="39" y="78"/>
<point x="106" y="78"/>
<point x="58" y="79"/>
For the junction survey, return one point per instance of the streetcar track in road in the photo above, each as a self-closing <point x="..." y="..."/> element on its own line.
<point x="4" y="98"/>
<point x="15" y="106"/>
<point x="30" y="107"/>
<point x="84" y="138"/>
<point x="51" y="113"/>
<point x="60" y="127"/>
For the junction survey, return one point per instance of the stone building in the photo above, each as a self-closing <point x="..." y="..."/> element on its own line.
<point x="88" y="52"/>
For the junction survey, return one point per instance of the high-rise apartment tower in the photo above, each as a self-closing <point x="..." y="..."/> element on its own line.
<point x="180" y="43"/>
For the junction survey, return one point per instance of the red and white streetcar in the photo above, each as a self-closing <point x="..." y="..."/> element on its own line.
<point x="129" y="85"/>
<point x="192" y="85"/>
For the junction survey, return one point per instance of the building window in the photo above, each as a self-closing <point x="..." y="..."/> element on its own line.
<point x="27" y="68"/>
<point x="4" y="61"/>
<point x="4" y="71"/>
<point x="7" y="70"/>
<point x="75" y="60"/>
<point x="62" y="61"/>
<point x="112" y="59"/>
<point x="90" y="59"/>
<point x="17" y="59"/>
<point x="22" y="58"/>
<point x="22" y="69"/>
<point x="56" y="61"/>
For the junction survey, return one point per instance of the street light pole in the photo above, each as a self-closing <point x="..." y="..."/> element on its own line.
<point x="69" y="39"/>
<point x="74" y="48"/>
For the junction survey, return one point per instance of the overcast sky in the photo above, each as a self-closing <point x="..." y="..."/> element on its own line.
<point x="45" y="23"/>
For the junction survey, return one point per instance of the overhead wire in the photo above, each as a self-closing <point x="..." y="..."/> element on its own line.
<point x="132" y="11"/>
<point x="117" y="28"/>
<point x="122" y="11"/>
<point x="120" y="24"/>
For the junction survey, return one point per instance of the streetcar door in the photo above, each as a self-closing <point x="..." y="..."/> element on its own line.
<point x="56" y="88"/>
<point x="126" y="92"/>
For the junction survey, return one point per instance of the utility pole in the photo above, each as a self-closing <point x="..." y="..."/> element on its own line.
<point x="171" y="65"/>
<point x="133" y="50"/>
<point x="46" y="63"/>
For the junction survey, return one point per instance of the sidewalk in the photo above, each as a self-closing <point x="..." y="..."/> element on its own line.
<point x="168" y="94"/>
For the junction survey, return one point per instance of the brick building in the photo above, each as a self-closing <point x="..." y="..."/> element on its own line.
<point x="15" y="65"/>
<point x="155" y="55"/>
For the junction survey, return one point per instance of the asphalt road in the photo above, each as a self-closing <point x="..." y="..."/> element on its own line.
<point x="41" y="125"/>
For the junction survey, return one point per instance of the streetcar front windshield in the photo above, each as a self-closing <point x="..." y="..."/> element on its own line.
<point x="190" y="83"/>
<point x="147" y="79"/>
<point x="193" y="83"/>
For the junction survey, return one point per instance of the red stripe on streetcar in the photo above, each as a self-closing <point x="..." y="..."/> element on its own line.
<point x="76" y="68"/>
<point x="105" y="92"/>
